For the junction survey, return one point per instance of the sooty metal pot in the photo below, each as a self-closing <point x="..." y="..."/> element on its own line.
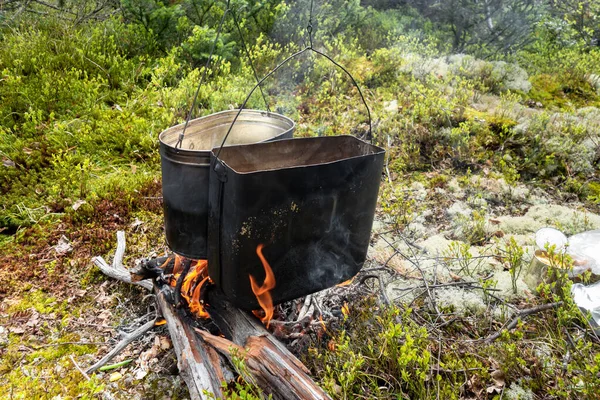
<point x="309" y="202"/>
<point x="185" y="170"/>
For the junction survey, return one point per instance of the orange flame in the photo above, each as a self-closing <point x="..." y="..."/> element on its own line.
<point x="177" y="269"/>
<point x="345" y="283"/>
<point x="191" y="293"/>
<point x="262" y="292"/>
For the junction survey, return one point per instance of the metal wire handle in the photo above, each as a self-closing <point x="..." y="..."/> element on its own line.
<point x="309" y="31"/>
<point x="212" y="49"/>
<point x="309" y="48"/>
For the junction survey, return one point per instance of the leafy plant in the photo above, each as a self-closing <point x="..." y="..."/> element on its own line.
<point x="512" y="253"/>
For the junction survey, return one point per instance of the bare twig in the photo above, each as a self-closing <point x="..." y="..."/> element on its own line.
<point x="307" y="309"/>
<point x="384" y="295"/>
<point x="521" y="314"/>
<point x="418" y="267"/>
<point x="122" y="344"/>
<point x="117" y="270"/>
<point x="120" y="274"/>
<point x="86" y="376"/>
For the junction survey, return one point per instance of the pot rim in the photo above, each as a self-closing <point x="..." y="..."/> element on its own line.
<point x="267" y="115"/>
<point x="376" y="151"/>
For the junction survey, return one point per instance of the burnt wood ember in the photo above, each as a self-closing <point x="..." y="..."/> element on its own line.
<point x="152" y="268"/>
<point x="187" y="263"/>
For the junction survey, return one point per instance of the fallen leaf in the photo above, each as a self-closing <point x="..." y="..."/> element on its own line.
<point x="493" y="389"/>
<point x="78" y="204"/>
<point x="19" y="330"/>
<point x="331" y="345"/>
<point x="7" y="162"/>
<point x="115" y="376"/>
<point x="454" y="276"/>
<point x="498" y="377"/>
<point x="33" y="320"/>
<point x="165" y="343"/>
<point x="140" y="374"/>
<point x="63" y="246"/>
<point x="104" y="315"/>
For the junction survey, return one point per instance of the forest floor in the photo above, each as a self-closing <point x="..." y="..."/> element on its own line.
<point x="55" y="319"/>
<point x="470" y="177"/>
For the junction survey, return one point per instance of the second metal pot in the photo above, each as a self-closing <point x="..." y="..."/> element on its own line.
<point x="185" y="170"/>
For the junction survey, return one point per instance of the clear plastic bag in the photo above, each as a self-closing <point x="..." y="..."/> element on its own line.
<point x="587" y="299"/>
<point x="584" y="248"/>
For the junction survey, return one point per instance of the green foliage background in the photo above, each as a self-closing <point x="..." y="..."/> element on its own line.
<point x="86" y="87"/>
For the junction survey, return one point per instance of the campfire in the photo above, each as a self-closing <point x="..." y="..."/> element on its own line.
<point x="208" y="331"/>
<point x="265" y="221"/>
<point x="195" y="280"/>
<point x="241" y="253"/>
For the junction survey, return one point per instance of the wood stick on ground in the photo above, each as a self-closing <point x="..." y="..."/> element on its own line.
<point x="270" y="364"/>
<point x="117" y="270"/>
<point x="139" y="332"/>
<point x="86" y="376"/>
<point x="382" y="290"/>
<point x="200" y="366"/>
<point x="521" y="314"/>
<point x="307" y="309"/>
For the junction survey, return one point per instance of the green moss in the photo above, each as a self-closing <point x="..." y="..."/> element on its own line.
<point x="546" y="89"/>
<point x="40" y="301"/>
<point x="593" y="192"/>
<point x="562" y="91"/>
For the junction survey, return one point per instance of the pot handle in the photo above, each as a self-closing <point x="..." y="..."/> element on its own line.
<point x="281" y="64"/>
<point x="228" y="9"/>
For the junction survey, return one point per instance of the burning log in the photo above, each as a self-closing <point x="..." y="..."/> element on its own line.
<point x="269" y="363"/>
<point x="200" y="354"/>
<point x="200" y="366"/>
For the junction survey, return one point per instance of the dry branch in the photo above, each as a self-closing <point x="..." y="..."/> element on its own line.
<point x="117" y="270"/>
<point x="269" y="363"/>
<point x="521" y="314"/>
<point x="200" y="366"/>
<point x="122" y="344"/>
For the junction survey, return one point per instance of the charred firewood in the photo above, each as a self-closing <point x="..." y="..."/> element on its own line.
<point x="152" y="268"/>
